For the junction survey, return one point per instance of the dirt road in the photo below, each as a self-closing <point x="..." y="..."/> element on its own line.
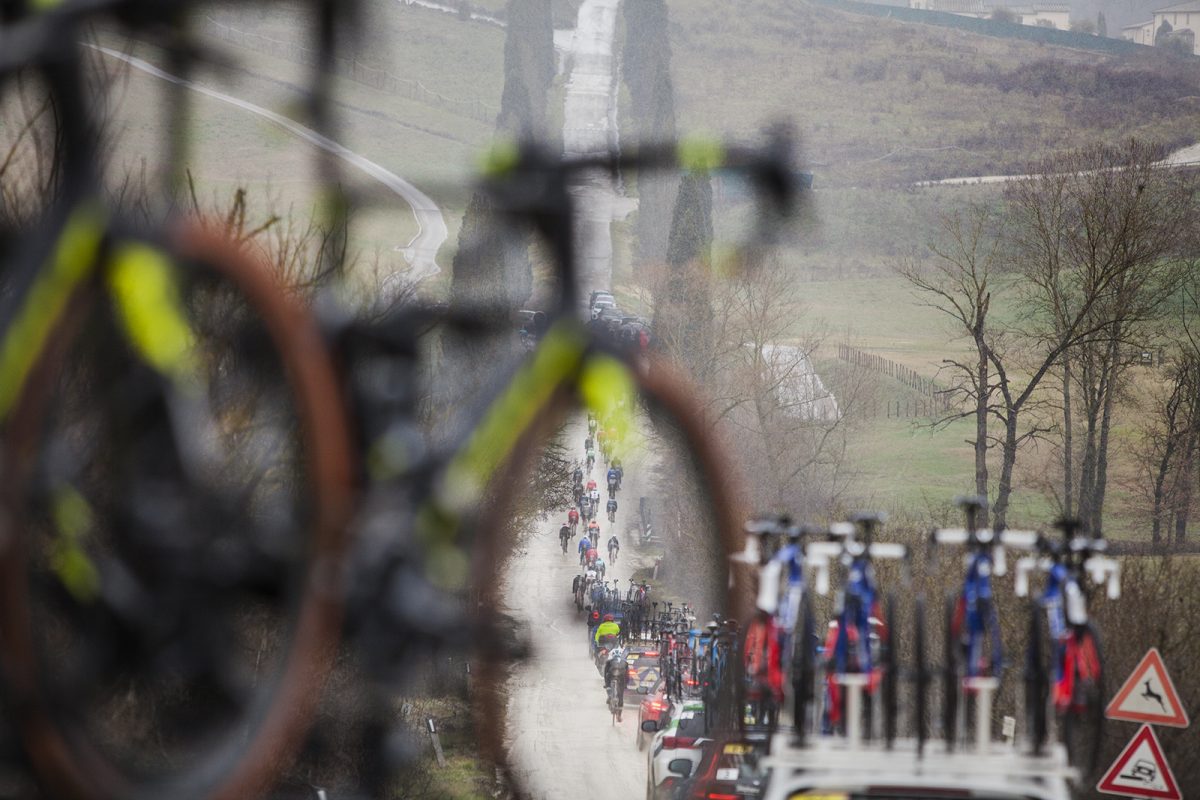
<point x="562" y="739"/>
<point x="420" y="252"/>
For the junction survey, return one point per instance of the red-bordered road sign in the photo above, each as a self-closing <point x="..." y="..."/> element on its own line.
<point x="1141" y="770"/>
<point x="1149" y="696"/>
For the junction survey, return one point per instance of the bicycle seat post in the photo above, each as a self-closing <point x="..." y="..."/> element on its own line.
<point x="867" y="523"/>
<point x="972" y="506"/>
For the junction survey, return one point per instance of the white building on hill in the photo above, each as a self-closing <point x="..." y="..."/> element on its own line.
<point x="1183" y="19"/>
<point x="1142" y="33"/>
<point x="1047" y="14"/>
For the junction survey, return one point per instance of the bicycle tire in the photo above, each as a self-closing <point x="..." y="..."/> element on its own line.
<point x="66" y="761"/>
<point x="661" y="392"/>
<point x="1037" y="680"/>
<point x="1083" y="730"/>
<point x="951" y="683"/>
<point x="804" y="669"/>
<point x="921" y="669"/>
<point x="890" y="677"/>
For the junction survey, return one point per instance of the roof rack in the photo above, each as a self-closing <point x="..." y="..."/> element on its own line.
<point x="998" y="767"/>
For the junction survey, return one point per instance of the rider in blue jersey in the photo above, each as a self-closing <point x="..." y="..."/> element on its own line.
<point x="585" y="544"/>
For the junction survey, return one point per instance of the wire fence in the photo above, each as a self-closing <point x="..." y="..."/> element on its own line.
<point x="355" y="69"/>
<point x="933" y="398"/>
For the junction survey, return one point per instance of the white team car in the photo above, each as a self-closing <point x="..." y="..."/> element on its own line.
<point x="675" y="750"/>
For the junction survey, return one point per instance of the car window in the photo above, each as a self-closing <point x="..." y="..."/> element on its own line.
<point x="691" y="724"/>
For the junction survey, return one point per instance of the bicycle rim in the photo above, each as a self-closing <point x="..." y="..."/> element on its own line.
<point x="1037" y="680"/>
<point x="804" y="668"/>
<point x="1083" y="724"/>
<point x="889" y="676"/>
<point x="921" y="669"/>
<point x="951" y="682"/>
<point x="76" y="755"/>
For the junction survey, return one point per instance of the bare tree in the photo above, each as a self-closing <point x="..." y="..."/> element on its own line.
<point x="1084" y="251"/>
<point x="1095" y="244"/>
<point x="958" y="282"/>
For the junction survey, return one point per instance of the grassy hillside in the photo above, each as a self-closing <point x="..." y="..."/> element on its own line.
<point x="880" y="105"/>
<point x="879" y="101"/>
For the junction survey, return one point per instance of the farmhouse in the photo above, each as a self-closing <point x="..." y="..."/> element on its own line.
<point x="1182" y="19"/>
<point x="1142" y="33"/>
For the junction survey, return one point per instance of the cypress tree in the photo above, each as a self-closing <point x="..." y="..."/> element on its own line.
<point x="497" y="273"/>
<point x="647" y="71"/>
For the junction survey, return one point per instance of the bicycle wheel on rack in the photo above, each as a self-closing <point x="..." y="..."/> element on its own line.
<point x="804" y="669"/>
<point x="951" y="677"/>
<point x="177" y="512"/>
<point x="1083" y="720"/>
<point x="1037" y="679"/>
<point x="921" y="674"/>
<point x="890" y="676"/>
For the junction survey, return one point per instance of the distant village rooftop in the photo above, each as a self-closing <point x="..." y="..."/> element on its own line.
<point x="1192" y="6"/>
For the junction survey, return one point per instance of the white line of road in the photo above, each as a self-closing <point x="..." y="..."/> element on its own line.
<point x="445" y="9"/>
<point x="420" y="252"/>
<point x="1184" y="157"/>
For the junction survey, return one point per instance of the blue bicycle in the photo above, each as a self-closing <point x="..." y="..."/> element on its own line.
<point x="858" y="633"/>
<point x="782" y="625"/>
<point x="973" y="647"/>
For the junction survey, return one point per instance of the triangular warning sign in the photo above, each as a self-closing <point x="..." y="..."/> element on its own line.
<point x="1141" y="770"/>
<point x="1149" y="696"/>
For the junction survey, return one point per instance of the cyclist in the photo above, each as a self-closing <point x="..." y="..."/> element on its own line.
<point x="593" y="531"/>
<point x="616" y="677"/>
<point x="614" y="481"/>
<point x="591" y="424"/>
<point x="606" y="629"/>
<point x="573" y="520"/>
<point x="611" y="507"/>
<point x="595" y="495"/>
<point x="585" y="545"/>
<point x="585" y="507"/>
<point x="598" y="565"/>
<point x="578" y="490"/>
<point x="591" y="484"/>
<point x="591" y="458"/>
<point x="564" y="536"/>
<point x="590" y="557"/>
<point x="577" y="475"/>
<point x="589" y="443"/>
<point x="614" y="547"/>
<point x="616" y="464"/>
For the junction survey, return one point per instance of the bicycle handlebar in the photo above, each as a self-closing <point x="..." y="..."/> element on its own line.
<point x="1101" y="569"/>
